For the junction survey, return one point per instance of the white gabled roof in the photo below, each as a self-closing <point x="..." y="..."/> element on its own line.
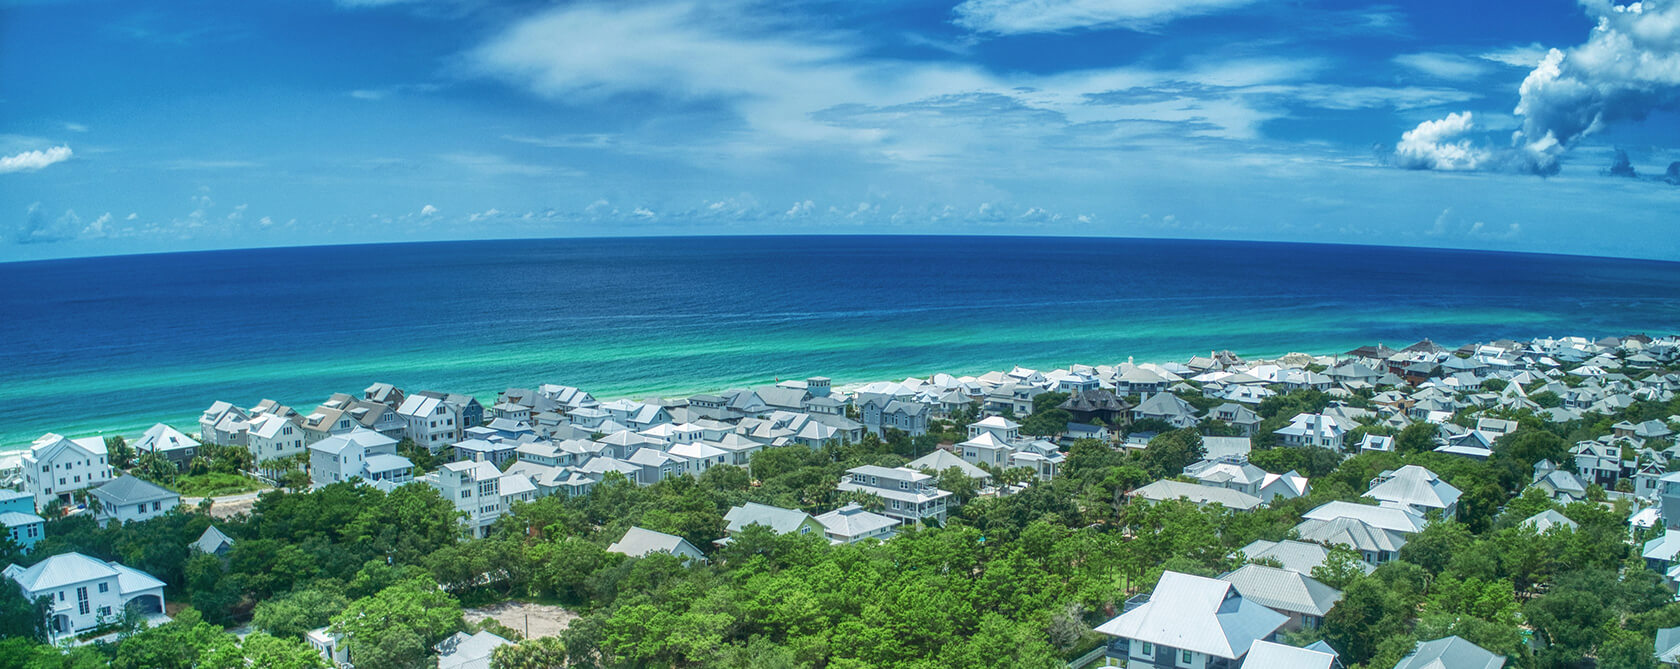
<point x="1198" y="614"/>
<point x="68" y="569"/>
<point x="162" y="438"/>
<point x="1415" y="486"/>
<point x="1269" y="655"/>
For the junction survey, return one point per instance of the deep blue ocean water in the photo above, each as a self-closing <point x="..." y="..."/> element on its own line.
<point x="118" y="343"/>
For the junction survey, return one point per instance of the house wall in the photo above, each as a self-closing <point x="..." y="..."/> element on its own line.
<point x="69" y="470"/>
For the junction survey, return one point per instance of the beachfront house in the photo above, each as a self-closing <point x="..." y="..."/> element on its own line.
<point x="86" y="593"/>
<point x="127" y="499"/>
<point x="1189" y="622"/>
<point x="55" y="467"/>
<point x="909" y="495"/>
<point x="272" y="437"/>
<point x="168" y="442"/>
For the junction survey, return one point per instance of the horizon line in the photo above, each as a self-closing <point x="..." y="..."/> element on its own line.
<point x="830" y="235"/>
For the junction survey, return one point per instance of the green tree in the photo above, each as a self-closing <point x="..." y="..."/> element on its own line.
<point x="540" y="653"/>
<point x="291" y="615"/>
<point x="21" y="618"/>
<point x="1170" y="452"/>
<point x="121" y="455"/>
<point x="397" y="627"/>
<point x="1368" y="613"/>
<point x="1418" y="437"/>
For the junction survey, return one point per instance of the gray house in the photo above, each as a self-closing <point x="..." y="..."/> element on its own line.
<point x="880" y="413"/>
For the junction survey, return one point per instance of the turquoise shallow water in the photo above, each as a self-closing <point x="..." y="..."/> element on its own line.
<point x="115" y="344"/>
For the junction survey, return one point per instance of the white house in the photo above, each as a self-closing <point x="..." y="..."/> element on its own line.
<point x="57" y="466"/>
<point x="1190" y="622"/>
<point x="1415" y="487"/>
<point x="86" y="592"/>
<point x="361" y="453"/>
<point x="480" y="491"/>
<point x="1311" y="429"/>
<point x="130" y="500"/>
<point x="432" y="422"/>
<point x="272" y="436"/>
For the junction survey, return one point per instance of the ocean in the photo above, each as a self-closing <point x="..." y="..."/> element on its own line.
<point x="115" y="344"/>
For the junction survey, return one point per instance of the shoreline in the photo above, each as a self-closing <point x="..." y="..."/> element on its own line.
<point x="131" y="431"/>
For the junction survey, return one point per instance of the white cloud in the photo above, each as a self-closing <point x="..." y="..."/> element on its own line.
<point x="484" y="215"/>
<point x="75" y="127"/>
<point x="800" y="209"/>
<point x="1443" y="65"/>
<point x="265" y="221"/>
<point x="428" y="210"/>
<point x="1014" y="17"/>
<point x="1628" y="68"/>
<point x="1525" y="57"/>
<point x="1440" y="145"/>
<point x="96" y="229"/>
<point x="34" y="160"/>
<point x="644" y="213"/>
<point x="494" y="165"/>
<point x="132" y="215"/>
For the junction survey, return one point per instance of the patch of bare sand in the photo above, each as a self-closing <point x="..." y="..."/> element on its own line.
<point x="532" y="620"/>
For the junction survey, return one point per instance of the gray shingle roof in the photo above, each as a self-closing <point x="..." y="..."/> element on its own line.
<point x="127" y="489"/>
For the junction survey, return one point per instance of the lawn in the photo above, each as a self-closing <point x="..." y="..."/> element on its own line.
<point x="214" y="485"/>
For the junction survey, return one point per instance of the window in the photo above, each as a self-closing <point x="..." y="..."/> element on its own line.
<point x="465" y="494"/>
<point x="104" y="587"/>
<point x="1186" y="657"/>
<point x="104" y="611"/>
<point x="1146" y="649"/>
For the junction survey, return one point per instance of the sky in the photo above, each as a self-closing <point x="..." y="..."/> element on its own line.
<point x="1528" y="125"/>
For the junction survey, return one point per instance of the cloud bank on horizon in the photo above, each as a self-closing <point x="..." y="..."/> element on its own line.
<point x="198" y="124"/>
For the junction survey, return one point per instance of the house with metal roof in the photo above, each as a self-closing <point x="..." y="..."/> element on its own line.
<point x="1237" y="473"/>
<point x="776" y="519"/>
<point x="169" y="443"/>
<point x="1301" y="597"/>
<point x="213" y="542"/>
<point x="850" y="524"/>
<point x="359" y="454"/>
<point x="1450" y="653"/>
<point x="56" y="466"/>
<point x="85" y="592"/>
<point x="1270" y="655"/>
<point x="129" y="499"/>
<point x="1190" y="621"/>
<point x="940" y="460"/>
<point x="1201" y="495"/>
<point x="909" y="495"/>
<point x="1415" y="487"/>
<point x="638" y="542"/>
<point x="24" y="529"/>
<point x="1298" y="556"/>
<point x="1377" y="533"/>
<point x="1668" y="647"/>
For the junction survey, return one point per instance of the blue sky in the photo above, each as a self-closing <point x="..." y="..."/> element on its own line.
<point x="140" y="127"/>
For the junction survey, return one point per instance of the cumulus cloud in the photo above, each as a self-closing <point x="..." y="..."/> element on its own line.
<point x="1628" y="68"/>
<point x="40" y="227"/>
<point x="34" y="160"/>
<point x="1014" y="17"/>
<point x="428" y="210"/>
<point x="1441" y="145"/>
<point x="1620" y="166"/>
<point x="799" y="209"/>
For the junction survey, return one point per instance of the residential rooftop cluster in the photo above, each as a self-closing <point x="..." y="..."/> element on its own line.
<point x="994" y="435"/>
